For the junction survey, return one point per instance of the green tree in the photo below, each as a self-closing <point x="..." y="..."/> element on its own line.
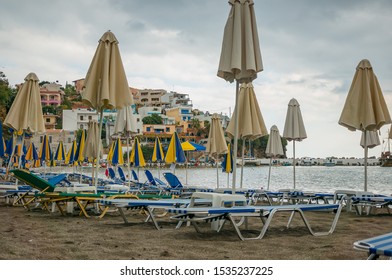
<point x="152" y="119"/>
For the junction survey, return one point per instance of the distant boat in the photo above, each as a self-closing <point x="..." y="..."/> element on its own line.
<point x="329" y="162"/>
<point x="249" y="161"/>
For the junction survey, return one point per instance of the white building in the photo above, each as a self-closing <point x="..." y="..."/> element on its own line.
<point x="78" y="118"/>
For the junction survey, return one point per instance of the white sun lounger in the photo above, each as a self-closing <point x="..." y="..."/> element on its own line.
<point x="265" y="213"/>
<point x="376" y="246"/>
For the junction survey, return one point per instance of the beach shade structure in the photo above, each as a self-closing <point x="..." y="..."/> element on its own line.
<point x="157" y="154"/>
<point x="137" y="158"/>
<point x="70" y="158"/>
<point x="92" y="150"/>
<point x="294" y="128"/>
<point x="111" y="151"/>
<point x="60" y="153"/>
<point x="106" y="85"/>
<point x="28" y="101"/>
<point x="175" y="153"/>
<point x="274" y="148"/>
<point x="250" y="120"/>
<point x="79" y="154"/>
<point x="117" y="157"/>
<point x="365" y="108"/>
<point x="216" y="143"/>
<point x="372" y="140"/>
<point x="188" y="146"/>
<point x="227" y="163"/>
<point x="126" y="125"/>
<point x="240" y="58"/>
<point x="32" y="155"/>
<point x="45" y="152"/>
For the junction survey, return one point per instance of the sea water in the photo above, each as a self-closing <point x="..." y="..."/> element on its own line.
<point x="307" y="178"/>
<point x="325" y="179"/>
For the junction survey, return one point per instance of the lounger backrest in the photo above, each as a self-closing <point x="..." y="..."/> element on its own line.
<point x="172" y="180"/>
<point x="150" y="177"/>
<point x="33" y="180"/>
<point x="134" y="175"/>
<point x="121" y="174"/>
<point x="112" y="174"/>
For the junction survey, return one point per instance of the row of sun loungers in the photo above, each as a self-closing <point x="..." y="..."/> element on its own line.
<point x="204" y="205"/>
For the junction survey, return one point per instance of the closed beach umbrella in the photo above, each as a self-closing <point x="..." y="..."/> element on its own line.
<point x="32" y="155"/>
<point x="45" y="153"/>
<point x="106" y="85"/>
<point x="274" y="148"/>
<point x="137" y="158"/>
<point x="79" y="155"/>
<point x="28" y="101"/>
<point x="70" y="158"/>
<point x="250" y="121"/>
<point x="372" y="139"/>
<point x="227" y="163"/>
<point x="117" y="158"/>
<point x="365" y="108"/>
<point x="126" y="125"/>
<point x="240" y="58"/>
<point x="92" y="149"/>
<point x="111" y="151"/>
<point x="294" y="128"/>
<point x="216" y="143"/>
<point x="157" y="154"/>
<point x="60" y="152"/>
<point x="175" y="153"/>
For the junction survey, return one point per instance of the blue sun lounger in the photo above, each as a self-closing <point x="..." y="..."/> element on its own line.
<point x="369" y="203"/>
<point x="150" y="205"/>
<point x="265" y="213"/>
<point x="376" y="246"/>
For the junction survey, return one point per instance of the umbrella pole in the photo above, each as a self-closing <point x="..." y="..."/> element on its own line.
<point x="217" y="175"/>
<point x="237" y="84"/>
<point x="294" y="160"/>
<point x="243" y="162"/>
<point x="269" y="173"/>
<point x="128" y="164"/>
<point x="99" y="146"/>
<point x="366" y="156"/>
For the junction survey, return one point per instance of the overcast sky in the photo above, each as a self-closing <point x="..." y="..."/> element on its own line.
<point x="310" y="50"/>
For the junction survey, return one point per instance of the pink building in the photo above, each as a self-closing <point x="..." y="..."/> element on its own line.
<point x="51" y="94"/>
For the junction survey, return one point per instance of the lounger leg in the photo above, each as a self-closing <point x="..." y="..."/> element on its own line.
<point x="120" y="210"/>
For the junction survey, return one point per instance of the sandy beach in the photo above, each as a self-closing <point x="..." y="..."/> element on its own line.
<point x="39" y="235"/>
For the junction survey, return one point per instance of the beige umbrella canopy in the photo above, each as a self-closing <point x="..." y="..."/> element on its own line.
<point x="216" y="144"/>
<point x="372" y="139"/>
<point x="365" y="108"/>
<point x="240" y="58"/>
<point x="126" y="124"/>
<point x="26" y="110"/>
<point x="274" y="148"/>
<point x="250" y="120"/>
<point x="294" y="128"/>
<point x="25" y="113"/>
<point x="91" y="148"/>
<point x="106" y="82"/>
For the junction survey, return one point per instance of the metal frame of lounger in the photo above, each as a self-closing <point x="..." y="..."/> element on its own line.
<point x="265" y="213"/>
<point x="149" y="206"/>
<point x="376" y="246"/>
<point x="370" y="202"/>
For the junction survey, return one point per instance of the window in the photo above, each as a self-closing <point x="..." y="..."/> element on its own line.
<point x="81" y="118"/>
<point x="90" y="118"/>
<point x="167" y="129"/>
<point x="47" y="120"/>
<point x="148" y="129"/>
